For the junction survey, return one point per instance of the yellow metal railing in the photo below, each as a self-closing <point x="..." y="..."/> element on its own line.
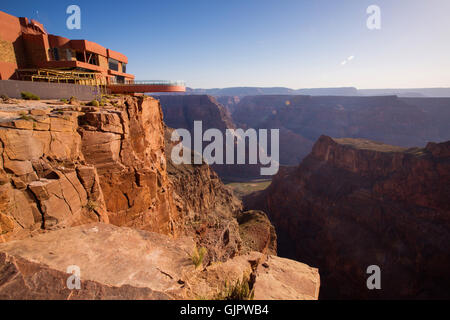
<point x="61" y="76"/>
<point x="64" y="76"/>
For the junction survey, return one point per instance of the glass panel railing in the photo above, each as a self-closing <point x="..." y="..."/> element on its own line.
<point x="177" y="83"/>
<point x="162" y="82"/>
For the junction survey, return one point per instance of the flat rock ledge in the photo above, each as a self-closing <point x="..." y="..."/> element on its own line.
<point x="124" y="263"/>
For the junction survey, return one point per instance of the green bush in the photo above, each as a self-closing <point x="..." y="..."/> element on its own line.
<point x="94" y="103"/>
<point x="198" y="255"/>
<point x="29" y="96"/>
<point x="65" y="101"/>
<point x="240" y="290"/>
<point x="4" y="97"/>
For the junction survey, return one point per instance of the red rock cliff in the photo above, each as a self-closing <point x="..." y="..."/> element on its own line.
<point x="66" y="166"/>
<point x="353" y="203"/>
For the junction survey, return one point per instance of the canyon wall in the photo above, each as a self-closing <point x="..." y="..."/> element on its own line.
<point x="353" y="203"/>
<point x="67" y="166"/>
<point x="406" y="122"/>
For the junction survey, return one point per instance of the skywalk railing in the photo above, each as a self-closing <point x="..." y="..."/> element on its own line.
<point x="177" y="83"/>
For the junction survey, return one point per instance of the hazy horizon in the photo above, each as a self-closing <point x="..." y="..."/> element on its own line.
<point x="308" y="88"/>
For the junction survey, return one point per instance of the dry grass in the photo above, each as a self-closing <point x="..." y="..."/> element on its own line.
<point x="198" y="256"/>
<point x="238" y="291"/>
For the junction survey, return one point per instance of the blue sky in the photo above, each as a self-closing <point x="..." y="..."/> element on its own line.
<point x="291" y="43"/>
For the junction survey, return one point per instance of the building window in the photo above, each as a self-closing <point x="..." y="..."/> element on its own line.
<point x="120" y="79"/>
<point x="124" y="67"/>
<point x="113" y="64"/>
<point x="92" y="58"/>
<point x="80" y="56"/>
<point x="55" y="54"/>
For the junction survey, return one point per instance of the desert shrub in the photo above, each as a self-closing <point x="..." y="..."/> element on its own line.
<point x="198" y="255"/>
<point x="73" y="100"/>
<point x="91" y="205"/>
<point x="29" y="96"/>
<point x="240" y="290"/>
<point x="27" y="117"/>
<point x="94" y="103"/>
<point x="4" y="97"/>
<point x="64" y="100"/>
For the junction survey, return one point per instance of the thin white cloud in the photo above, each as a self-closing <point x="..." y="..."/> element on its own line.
<point x="343" y="63"/>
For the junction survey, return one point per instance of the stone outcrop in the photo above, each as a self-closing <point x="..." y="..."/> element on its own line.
<point x="41" y="167"/>
<point x="353" y="203"/>
<point x="69" y="165"/>
<point x="123" y="263"/>
<point x="257" y="233"/>
<point x="126" y="145"/>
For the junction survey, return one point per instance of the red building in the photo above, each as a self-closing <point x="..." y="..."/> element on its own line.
<point x="28" y="52"/>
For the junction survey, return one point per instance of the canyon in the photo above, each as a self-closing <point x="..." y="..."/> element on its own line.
<point x="406" y="122"/>
<point x="96" y="187"/>
<point x="353" y="203"/>
<point x="93" y="187"/>
<point x="374" y="194"/>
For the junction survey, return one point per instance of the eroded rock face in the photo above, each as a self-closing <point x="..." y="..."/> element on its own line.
<point x="353" y="203"/>
<point x="123" y="263"/>
<point x="40" y="163"/>
<point x="126" y="145"/>
<point x="70" y="165"/>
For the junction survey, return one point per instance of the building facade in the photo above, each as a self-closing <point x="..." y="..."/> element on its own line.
<point x="28" y="52"/>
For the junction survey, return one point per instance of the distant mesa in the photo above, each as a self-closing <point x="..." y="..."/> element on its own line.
<point x="339" y="91"/>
